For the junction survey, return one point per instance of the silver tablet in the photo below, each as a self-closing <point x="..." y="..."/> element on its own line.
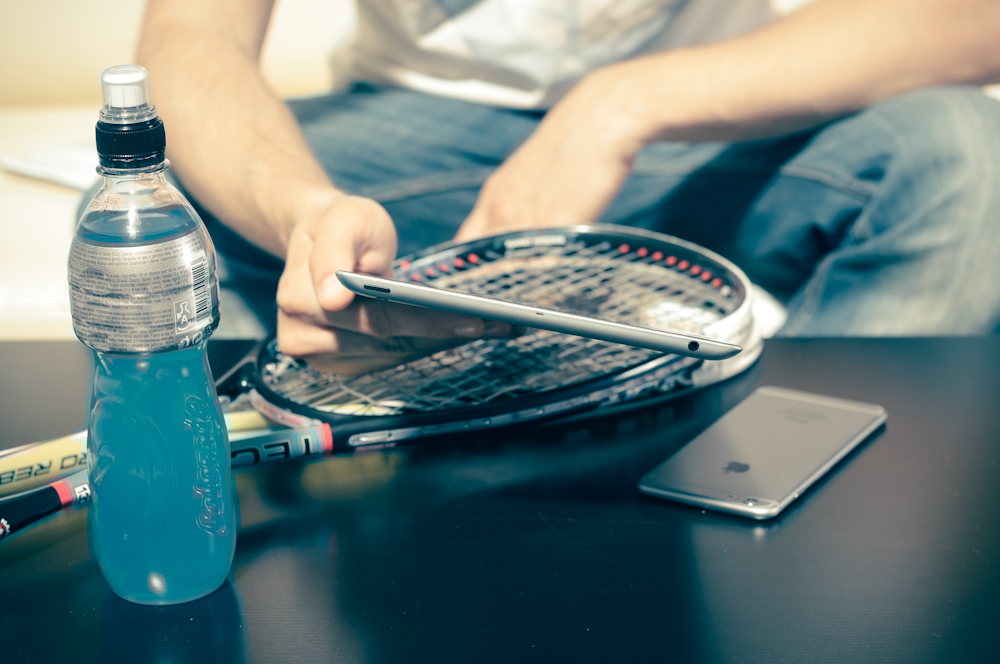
<point x="530" y="316"/>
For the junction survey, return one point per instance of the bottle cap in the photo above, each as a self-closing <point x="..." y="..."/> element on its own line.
<point x="129" y="131"/>
<point x="125" y="92"/>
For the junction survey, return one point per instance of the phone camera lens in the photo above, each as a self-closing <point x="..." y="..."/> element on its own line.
<point x="693" y="345"/>
<point x="749" y="502"/>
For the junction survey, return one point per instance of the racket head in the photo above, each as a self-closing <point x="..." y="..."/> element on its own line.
<point x="623" y="274"/>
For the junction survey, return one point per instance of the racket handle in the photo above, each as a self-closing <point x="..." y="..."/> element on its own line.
<point x="309" y="442"/>
<point x="37" y="464"/>
<point x="20" y="511"/>
<point x="28" y="466"/>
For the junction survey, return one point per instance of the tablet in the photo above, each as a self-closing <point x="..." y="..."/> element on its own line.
<point x="516" y="313"/>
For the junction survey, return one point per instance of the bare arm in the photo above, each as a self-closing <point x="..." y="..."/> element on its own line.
<point x="830" y="59"/>
<point x="233" y="141"/>
<point x="826" y="61"/>
<point x="238" y="149"/>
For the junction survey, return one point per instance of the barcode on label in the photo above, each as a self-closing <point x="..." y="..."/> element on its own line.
<point x="202" y="294"/>
<point x="193" y="312"/>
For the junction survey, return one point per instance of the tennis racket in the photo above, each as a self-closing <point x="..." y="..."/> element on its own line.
<point x="620" y="274"/>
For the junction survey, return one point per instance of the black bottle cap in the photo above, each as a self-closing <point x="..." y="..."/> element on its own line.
<point x="125" y="146"/>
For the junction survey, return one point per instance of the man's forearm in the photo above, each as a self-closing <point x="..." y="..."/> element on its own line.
<point x="232" y="140"/>
<point x="829" y="60"/>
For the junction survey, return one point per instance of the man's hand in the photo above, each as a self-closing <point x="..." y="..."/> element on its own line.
<point x="826" y="61"/>
<point x="570" y="169"/>
<point x="320" y="319"/>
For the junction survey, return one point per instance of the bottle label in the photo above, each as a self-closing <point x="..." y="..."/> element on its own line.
<point x="144" y="299"/>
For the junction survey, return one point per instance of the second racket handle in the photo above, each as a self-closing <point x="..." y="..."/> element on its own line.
<point x="21" y="511"/>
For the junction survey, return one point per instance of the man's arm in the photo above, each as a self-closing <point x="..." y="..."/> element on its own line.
<point x="828" y="60"/>
<point x="233" y="141"/>
<point x="238" y="149"/>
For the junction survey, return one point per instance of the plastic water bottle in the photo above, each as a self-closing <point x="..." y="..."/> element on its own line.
<point x="144" y="298"/>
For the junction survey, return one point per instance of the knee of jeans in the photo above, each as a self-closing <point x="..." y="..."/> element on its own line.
<point x="943" y="126"/>
<point x="947" y="162"/>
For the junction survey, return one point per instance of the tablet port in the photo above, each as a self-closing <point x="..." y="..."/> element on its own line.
<point x="377" y="288"/>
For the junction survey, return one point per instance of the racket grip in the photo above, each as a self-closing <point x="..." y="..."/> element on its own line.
<point x="20" y="511"/>
<point x="247" y="453"/>
<point x="310" y="442"/>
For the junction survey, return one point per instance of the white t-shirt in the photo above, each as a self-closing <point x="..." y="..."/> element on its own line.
<point x="527" y="53"/>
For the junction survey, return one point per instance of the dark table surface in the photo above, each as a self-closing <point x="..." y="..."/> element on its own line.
<point x="537" y="546"/>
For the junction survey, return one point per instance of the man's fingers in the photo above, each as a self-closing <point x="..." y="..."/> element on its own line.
<point x="385" y="320"/>
<point x="349" y="353"/>
<point x="296" y="296"/>
<point x="300" y="338"/>
<point x="355" y="234"/>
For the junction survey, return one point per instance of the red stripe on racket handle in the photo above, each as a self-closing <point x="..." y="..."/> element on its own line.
<point x="65" y="494"/>
<point x="328" y="439"/>
<point x="20" y="511"/>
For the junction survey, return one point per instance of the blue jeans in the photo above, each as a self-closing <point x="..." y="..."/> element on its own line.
<point x="884" y="223"/>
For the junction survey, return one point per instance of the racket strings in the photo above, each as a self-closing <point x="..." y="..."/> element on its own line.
<point x="475" y="374"/>
<point x="595" y="280"/>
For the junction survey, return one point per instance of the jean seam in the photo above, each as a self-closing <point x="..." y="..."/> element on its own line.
<point x="861" y="230"/>
<point x="436" y="183"/>
<point x="860" y="189"/>
<point x="810" y="300"/>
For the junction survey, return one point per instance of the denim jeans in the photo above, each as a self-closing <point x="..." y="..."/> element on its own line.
<point x="883" y="223"/>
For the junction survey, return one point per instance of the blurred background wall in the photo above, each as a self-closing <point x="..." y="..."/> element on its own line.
<point x="51" y="51"/>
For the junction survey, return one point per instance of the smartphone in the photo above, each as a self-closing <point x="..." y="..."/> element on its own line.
<point x="516" y="313"/>
<point x="764" y="453"/>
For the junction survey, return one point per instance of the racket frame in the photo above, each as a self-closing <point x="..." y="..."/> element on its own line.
<point x="665" y="373"/>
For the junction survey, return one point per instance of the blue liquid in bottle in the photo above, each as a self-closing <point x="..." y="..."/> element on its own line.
<point x="144" y="296"/>
<point x="161" y="520"/>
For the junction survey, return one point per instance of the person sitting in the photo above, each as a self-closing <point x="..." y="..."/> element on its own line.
<point x="844" y="156"/>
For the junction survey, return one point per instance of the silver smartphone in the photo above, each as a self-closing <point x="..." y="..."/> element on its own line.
<point x="530" y="316"/>
<point x="762" y="454"/>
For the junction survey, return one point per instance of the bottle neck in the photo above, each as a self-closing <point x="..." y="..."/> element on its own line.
<point x="153" y="171"/>
<point x="136" y="182"/>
